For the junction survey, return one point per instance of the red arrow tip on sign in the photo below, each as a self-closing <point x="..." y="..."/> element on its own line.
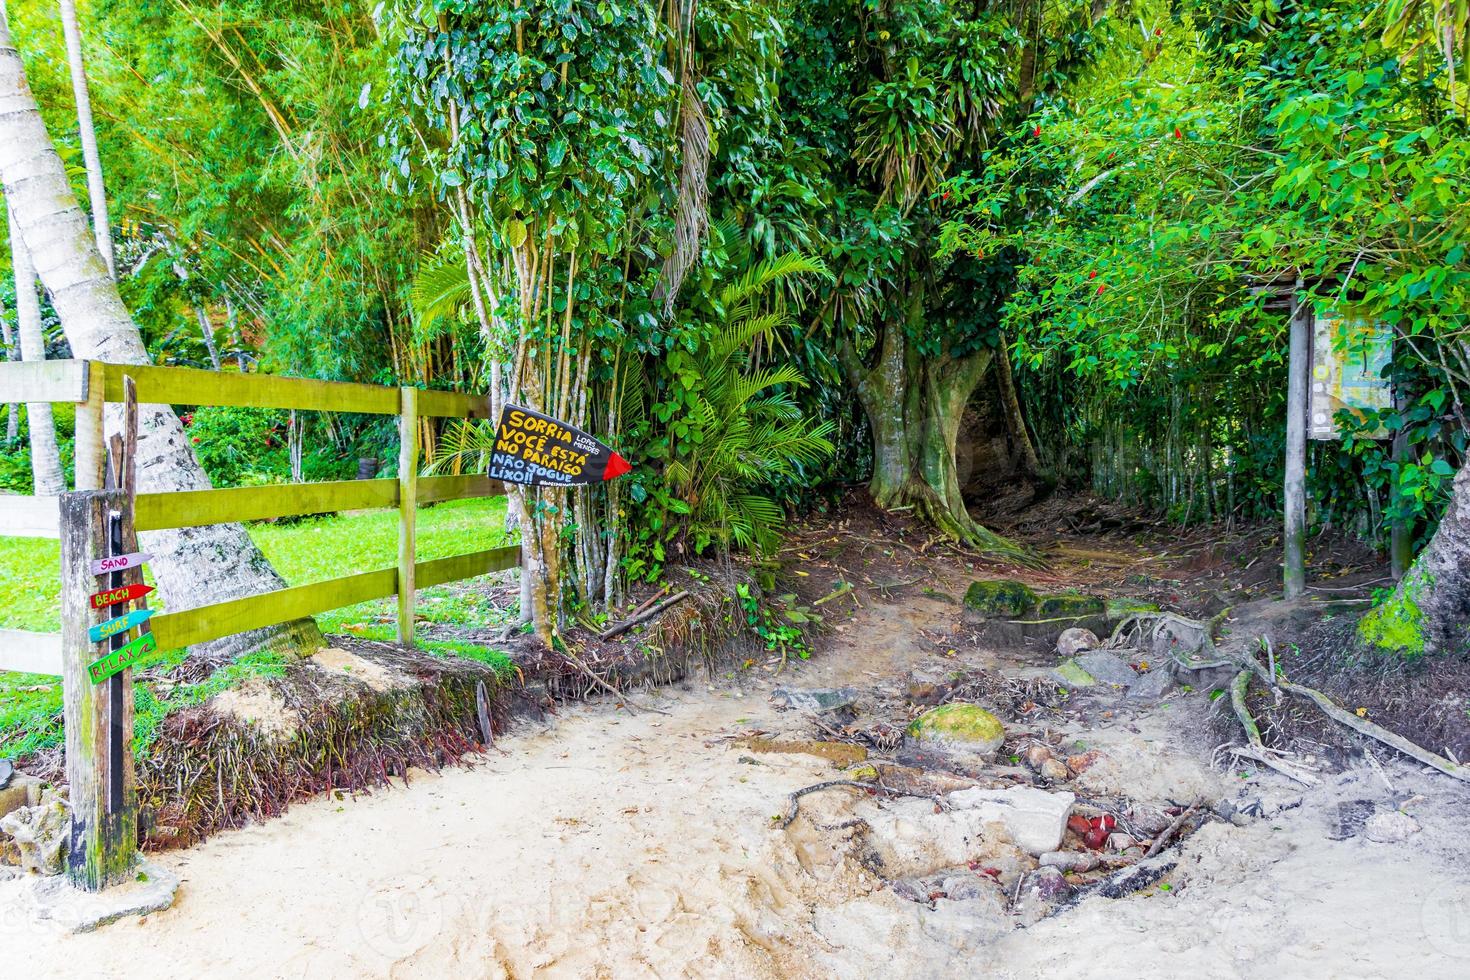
<point x="616" y="467"/>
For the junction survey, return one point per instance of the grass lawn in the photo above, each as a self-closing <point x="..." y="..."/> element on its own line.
<point x="303" y="552"/>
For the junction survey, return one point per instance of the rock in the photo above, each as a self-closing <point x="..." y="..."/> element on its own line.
<point x="1036" y="754"/>
<point x="909" y="838"/>
<point x="40" y="833"/>
<point x="1121" y="608"/>
<point x="864" y="773"/>
<point x="1069" y="604"/>
<point x="999" y="598"/>
<point x="151" y="889"/>
<point x="23" y="791"/>
<point x="1390" y="827"/>
<point x="1119" y="842"/>
<point x="1055" y="771"/>
<point x="1047" y="883"/>
<point x="815" y="699"/>
<point x="967" y="727"/>
<point x="1071" y="674"/>
<point x="1034" y="818"/>
<point x="964" y="888"/>
<point x="1076" y="640"/>
<point x="1078" y="824"/>
<point x="910" y="889"/>
<point x="1070" y="860"/>
<point x="7" y="769"/>
<point x="1152" y="686"/>
<point x="1153" y="820"/>
<point x="1082" y="762"/>
<point x="1108" y="668"/>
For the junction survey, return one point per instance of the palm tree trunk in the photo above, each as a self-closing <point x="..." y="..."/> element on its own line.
<point x="96" y="190"/>
<point x="206" y="331"/>
<point x="12" y="416"/>
<point x="45" y="456"/>
<point x="195" y="566"/>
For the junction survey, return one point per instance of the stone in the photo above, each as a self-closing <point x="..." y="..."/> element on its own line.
<point x="1076" y="640"/>
<point x="1083" y="761"/>
<point x="23" y="791"/>
<point x="1390" y="827"/>
<point x="964" y="888"/>
<point x="1047" y="883"/>
<point x="1119" y="842"/>
<point x="1055" y="770"/>
<point x="999" y="598"/>
<point x="1108" y="668"/>
<point x="1069" y="604"/>
<point x="1070" y="674"/>
<point x="1152" y="686"/>
<point x="40" y="833"/>
<point x="1034" y="818"/>
<point x="7" y="769"/>
<point x="909" y="838"/>
<point x="966" y="727"/>
<point x="151" y="889"/>
<point x="1036" y="754"/>
<point x="815" y="699"/>
<point x="1069" y="860"/>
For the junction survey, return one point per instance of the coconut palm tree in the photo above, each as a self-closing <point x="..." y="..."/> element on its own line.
<point x="96" y="190"/>
<point x="45" y="456"/>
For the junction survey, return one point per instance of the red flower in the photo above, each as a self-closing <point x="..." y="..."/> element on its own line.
<point x="195" y="440"/>
<point x="1036" y="131"/>
<point x="1100" y="287"/>
<point x="945" y="196"/>
<point x="1177" y="134"/>
<point x="1092" y="274"/>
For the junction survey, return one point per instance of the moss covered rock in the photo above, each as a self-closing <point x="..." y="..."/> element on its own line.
<point x="1069" y="604"/>
<point x="999" y="598"/>
<point x="1396" y="627"/>
<point x="1123" y="607"/>
<point x="1071" y="674"/>
<point x="967" y="727"/>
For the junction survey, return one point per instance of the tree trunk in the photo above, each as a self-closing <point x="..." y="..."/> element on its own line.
<point x="1010" y="404"/>
<point x="914" y="405"/>
<point x="206" y="331"/>
<point x="195" y="566"/>
<point x="96" y="190"/>
<point x="12" y="353"/>
<point x="46" y="474"/>
<point x="1429" y="612"/>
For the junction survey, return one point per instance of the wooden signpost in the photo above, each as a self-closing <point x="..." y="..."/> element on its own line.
<point x="120" y="658"/>
<point x="538" y="450"/>
<point x="120" y="595"/>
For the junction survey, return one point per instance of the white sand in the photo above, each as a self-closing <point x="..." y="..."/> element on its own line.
<point x="622" y="845"/>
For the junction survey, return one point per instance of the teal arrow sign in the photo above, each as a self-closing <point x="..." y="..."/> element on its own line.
<point x="119" y="660"/>
<point x="121" y="624"/>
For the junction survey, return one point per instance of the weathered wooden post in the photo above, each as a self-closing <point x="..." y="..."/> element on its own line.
<point x="104" y="827"/>
<point x="90" y="458"/>
<point x="1298" y="368"/>
<point x="408" y="481"/>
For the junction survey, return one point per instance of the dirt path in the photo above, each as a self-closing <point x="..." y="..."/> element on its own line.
<point x="621" y="844"/>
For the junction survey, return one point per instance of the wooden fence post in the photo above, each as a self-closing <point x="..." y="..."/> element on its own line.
<point x="408" y="479"/>
<point x="90" y="445"/>
<point x="1298" y="371"/>
<point x="104" y="824"/>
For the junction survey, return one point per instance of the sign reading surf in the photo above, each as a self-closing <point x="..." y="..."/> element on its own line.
<point x="538" y="450"/>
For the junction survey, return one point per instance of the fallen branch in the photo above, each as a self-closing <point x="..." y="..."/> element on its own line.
<point x="597" y="679"/>
<point x="1169" y="832"/>
<point x="841" y="590"/>
<point x="644" y="616"/>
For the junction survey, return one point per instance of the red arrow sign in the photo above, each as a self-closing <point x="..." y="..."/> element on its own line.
<point x="113" y="597"/>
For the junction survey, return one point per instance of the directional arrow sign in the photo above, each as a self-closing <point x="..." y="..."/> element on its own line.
<point x="118" y="660"/>
<point x="538" y="450"/>
<point x="118" y="563"/>
<point x="123" y="593"/>
<point x="121" y="624"/>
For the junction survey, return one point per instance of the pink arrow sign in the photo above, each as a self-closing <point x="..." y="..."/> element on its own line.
<point x="118" y="563"/>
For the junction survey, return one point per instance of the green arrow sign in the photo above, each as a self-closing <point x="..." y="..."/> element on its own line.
<point x="118" y="660"/>
<point x="121" y="624"/>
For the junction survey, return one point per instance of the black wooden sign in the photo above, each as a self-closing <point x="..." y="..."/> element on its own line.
<point x="538" y="450"/>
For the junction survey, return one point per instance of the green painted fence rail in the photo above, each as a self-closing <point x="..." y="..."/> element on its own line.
<point x="89" y="384"/>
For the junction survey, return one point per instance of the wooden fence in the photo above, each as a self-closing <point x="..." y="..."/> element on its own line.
<point x="91" y="384"/>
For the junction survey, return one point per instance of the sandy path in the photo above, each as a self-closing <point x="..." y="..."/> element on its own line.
<point x="620" y="844"/>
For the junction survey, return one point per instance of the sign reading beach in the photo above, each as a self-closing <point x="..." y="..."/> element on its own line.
<point x="538" y="450"/>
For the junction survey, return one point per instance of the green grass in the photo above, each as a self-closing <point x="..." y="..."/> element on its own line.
<point x="303" y="552"/>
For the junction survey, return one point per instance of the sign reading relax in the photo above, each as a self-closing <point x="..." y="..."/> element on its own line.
<point x="538" y="450"/>
<point x="122" y="658"/>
